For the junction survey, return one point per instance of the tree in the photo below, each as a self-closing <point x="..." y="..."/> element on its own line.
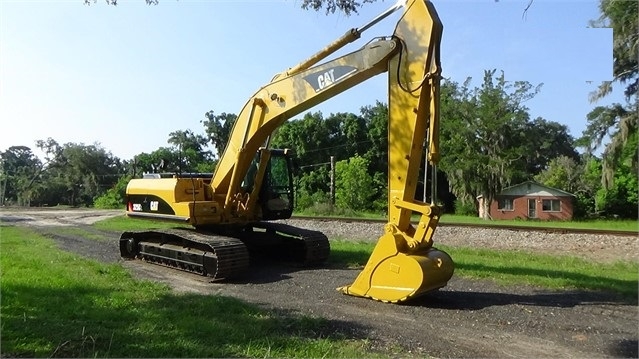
<point x="161" y="160"/>
<point x="353" y="184"/>
<point x="312" y="187"/>
<point x="616" y="121"/>
<point x="316" y="139"/>
<point x="50" y="189"/>
<point x="313" y="143"/>
<point x="87" y="171"/>
<point x="568" y="175"/>
<point x="351" y="136"/>
<point x="563" y="172"/>
<point x="483" y="139"/>
<point x="190" y="150"/>
<point x="376" y="117"/>
<point x="547" y="140"/>
<point x="187" y="153"/>
<point x="621" y="16"/>
<point x="114" y="197"/>
<point x="346" y="6"/>
<point x="620" y="199"/>
<point x="218" y="129"/>
<point x="589" y="185"/>
<point x="20" y="167"/>
<point x="73" y="174"/>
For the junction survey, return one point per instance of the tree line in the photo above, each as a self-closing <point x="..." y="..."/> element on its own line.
<point x="489" y="141"/>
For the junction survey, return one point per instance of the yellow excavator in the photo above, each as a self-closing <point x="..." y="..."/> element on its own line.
<point x="232" y="213"/>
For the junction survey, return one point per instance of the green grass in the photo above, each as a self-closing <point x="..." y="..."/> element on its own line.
<point x="124" y="223"/>
<point x="349" y="254"/>
<point x="56" y="304"/>
<point x="76" y="231"/>
<point x="517" y="267"/>
<point x="556" y="272"/>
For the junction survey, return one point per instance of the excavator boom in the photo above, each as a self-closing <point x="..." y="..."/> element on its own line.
<point x="288" y="95"/>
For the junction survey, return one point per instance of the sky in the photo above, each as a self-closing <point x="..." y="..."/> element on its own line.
<point x="126" y="76"/>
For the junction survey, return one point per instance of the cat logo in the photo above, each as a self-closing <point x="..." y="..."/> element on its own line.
<point x="326" y="78"/>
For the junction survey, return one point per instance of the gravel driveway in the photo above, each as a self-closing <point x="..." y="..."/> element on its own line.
<point x="468" y="318"/>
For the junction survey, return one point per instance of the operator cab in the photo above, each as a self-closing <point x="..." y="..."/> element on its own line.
<point x="276" y="196"/>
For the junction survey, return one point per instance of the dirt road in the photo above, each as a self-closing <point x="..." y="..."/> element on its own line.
<point x="468" y="318"/>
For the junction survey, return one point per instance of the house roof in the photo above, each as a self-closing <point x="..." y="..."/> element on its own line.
<point x="534" y="188"/>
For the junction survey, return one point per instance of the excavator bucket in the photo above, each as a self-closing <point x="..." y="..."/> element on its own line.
<point x="404" y="263"/>
<point x="394" y="276"/>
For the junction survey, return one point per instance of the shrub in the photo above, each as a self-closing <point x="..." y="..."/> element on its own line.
<point x="465" y="209"/>
<point x="115" y="197"/>
<point x="306" y="200"/>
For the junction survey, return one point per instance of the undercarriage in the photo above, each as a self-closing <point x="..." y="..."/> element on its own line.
<point x="228" y="255"/>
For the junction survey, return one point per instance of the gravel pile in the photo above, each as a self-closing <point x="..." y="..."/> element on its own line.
<point x="600" y="248"/>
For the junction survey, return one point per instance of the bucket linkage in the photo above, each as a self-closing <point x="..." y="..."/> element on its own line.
<point x="404" y="264"/>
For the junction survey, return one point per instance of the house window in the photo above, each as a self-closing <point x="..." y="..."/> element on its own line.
<point x="505" y="204"/>
<point x="550" y="205"/>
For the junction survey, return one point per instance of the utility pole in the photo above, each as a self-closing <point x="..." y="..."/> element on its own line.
<point x="425" y="164"/>
<point x="332" y="190"/>
<point x="4" y="187"/>
<point x="3" y="183"/>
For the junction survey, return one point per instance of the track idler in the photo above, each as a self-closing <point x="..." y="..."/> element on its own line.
<point x="393" y="276"/>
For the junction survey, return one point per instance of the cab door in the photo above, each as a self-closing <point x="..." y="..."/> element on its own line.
<point x="277" y="195"/>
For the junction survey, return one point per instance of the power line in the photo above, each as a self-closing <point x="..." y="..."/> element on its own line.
<point x="315" y="165"/>
<point x="338" y="146"/>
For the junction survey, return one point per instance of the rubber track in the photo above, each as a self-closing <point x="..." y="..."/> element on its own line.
<point x="232" y="258"/>
<point x="315" y="249"/>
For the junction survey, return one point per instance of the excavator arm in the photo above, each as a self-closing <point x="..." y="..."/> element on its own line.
<point x="404" y="264"/>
